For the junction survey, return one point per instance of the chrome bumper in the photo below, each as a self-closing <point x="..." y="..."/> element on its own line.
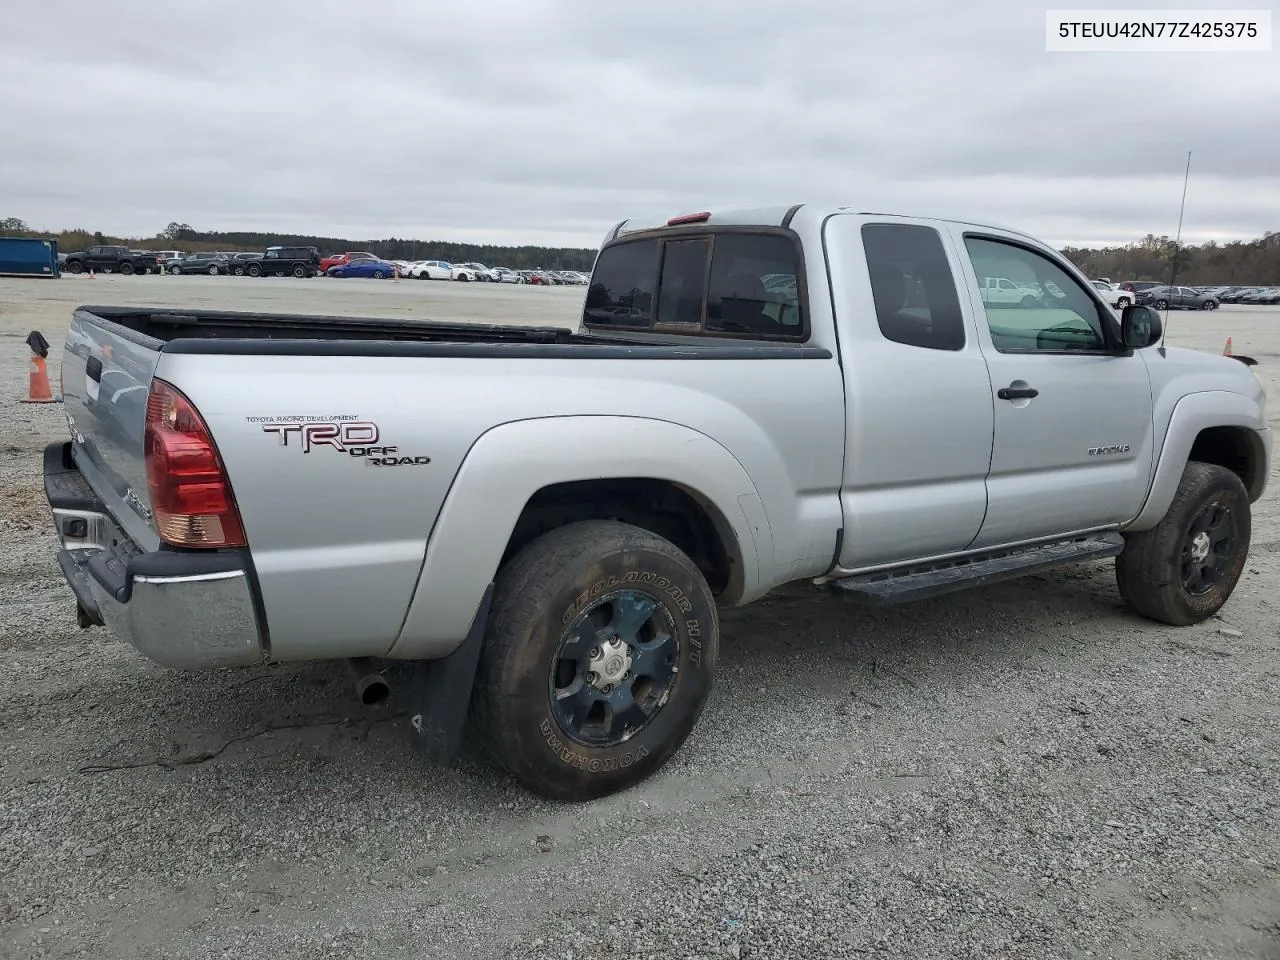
<point x="185" y="609"/>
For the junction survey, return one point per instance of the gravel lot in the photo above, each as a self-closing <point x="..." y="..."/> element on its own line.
<point x="1025" y="771"/>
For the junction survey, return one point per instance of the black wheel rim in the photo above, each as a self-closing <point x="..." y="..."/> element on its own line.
<point x="614" y="668"/>
<point x="1208" y="549"/>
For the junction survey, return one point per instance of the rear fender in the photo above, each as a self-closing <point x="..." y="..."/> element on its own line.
<point x="510" y="463"/>
<point x="1192" y="414"/>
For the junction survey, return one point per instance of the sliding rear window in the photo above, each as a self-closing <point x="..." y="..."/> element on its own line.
<point x="730" y="283"/>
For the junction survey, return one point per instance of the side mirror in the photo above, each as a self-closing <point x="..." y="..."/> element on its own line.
<point x="1140" y="326"/>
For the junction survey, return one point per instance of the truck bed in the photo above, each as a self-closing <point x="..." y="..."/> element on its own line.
<point x="174" y="331"/>
<point x="169" y="325"/>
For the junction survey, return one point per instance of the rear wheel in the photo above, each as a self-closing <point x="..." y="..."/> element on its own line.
<point x="599" y="654"/>
<point x="299" y="271"/>
<point x="1184" y="569"/>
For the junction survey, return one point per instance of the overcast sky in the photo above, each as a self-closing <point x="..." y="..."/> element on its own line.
<point x="545" y="121"/>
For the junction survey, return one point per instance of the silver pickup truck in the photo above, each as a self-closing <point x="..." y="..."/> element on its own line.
<point x="546" y="521"/>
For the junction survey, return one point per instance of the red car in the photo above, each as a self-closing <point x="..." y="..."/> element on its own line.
<point x="339" y="259"/>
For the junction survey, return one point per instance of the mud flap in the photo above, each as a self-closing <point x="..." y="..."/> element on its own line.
<point x="440" y="692"/>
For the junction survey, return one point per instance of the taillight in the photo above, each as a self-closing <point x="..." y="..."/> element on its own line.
<point x="191" y="498"/>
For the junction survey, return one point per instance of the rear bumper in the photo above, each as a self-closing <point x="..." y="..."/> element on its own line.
<point x="185" y="609"/>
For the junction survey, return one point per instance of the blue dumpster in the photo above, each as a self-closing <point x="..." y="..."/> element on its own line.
<point x="28" y="257"/>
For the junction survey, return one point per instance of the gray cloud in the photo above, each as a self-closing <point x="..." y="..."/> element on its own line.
<point x="548" y="120"/>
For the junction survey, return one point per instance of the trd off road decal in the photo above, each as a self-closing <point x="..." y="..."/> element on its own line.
<point x="345" y="434"/>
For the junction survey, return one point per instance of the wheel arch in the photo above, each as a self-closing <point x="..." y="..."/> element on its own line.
<point x="1227" y="429"/>
<point x="525" y="477"/>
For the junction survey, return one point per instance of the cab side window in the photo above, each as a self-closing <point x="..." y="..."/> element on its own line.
<point x="912" y="286"/>
<point x="1048" y="311"/>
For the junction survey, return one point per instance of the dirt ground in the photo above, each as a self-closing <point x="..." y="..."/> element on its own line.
<point x="1022" y="771"/>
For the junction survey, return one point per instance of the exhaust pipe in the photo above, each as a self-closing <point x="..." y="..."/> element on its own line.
<point x="371" y="685"/>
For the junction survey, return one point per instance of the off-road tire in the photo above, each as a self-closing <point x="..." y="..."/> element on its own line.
<point x="1149" y="569"/>
<point x="538" y="594"/>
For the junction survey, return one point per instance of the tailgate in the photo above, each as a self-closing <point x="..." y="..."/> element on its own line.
<point x="106" y="374"/>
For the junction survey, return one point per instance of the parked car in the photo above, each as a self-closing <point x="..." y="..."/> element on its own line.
<point x="1268" y="296"/>
<point x="240" y="263"/>
<point x="473" y="271"/>
<point x="564" y="583"/>
<point x="1115" y="296"/>
<point x="431" y="270"/>
<point x="536" y="277"/>
<point x="1176" y="298"/>
<point x="337" y="259"/>
<point x="1003" y="291"/>
<point x="211" y="263"/>
<point x="164" y="258"/>
<point x="1137" y="286"/>
<point x="377" y="269"/>
<point x="286" y="261"/>
<point x="109" y="259"/>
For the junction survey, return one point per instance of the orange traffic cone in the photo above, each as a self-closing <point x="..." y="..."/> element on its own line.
<point x="38" y="386"/>
<point x="1226" y="351"/>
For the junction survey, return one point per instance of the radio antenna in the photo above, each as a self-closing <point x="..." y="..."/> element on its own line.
<point x="1177" y="249"/>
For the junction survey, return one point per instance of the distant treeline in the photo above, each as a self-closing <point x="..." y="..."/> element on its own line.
<point x="1151" y="258"/>
<point x="181" y="236"/>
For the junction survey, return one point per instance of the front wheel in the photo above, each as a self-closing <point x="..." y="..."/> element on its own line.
<point x="1122" y="303"/>
<point x="1162" y="304"/>
<point x="255" y="270"/>
<point x="175" y="270"/>
<point x="598" y="658"/>
<point x="1184" y="569"/>
<point x="126" y="269"/>
<point x="213" y="271"/>
<point x="1208" y="305"/>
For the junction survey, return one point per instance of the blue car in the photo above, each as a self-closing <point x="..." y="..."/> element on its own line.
<point x="378" y="269"/>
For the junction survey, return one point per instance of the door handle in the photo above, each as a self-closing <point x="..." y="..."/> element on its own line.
<point x="1017" y="393"/>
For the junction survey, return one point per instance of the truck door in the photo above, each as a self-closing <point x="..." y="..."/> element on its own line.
<point x="918" y="421"/>
<point x="1073" y="434"/>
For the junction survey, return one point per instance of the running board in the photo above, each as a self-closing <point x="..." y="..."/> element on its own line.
<point x="947" y="576"/>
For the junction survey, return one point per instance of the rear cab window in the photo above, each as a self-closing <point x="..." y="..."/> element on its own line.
<point x="912" y="285"/>
<point x="743" y="283"/>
